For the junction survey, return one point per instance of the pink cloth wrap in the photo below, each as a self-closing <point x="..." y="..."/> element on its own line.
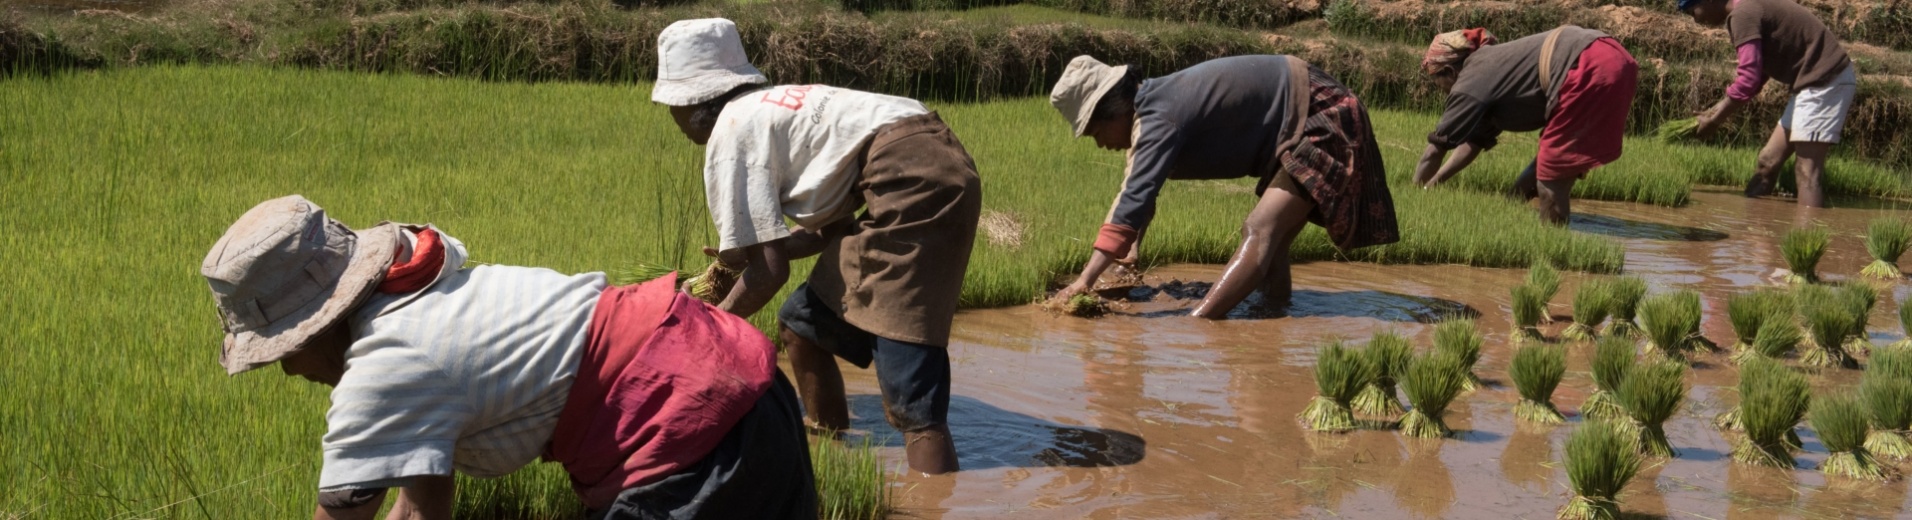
<point x="1750" y="75"/>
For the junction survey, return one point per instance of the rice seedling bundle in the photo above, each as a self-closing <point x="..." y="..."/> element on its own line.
<point x="1802" y="248"/>
<point x="1612" y="359"/>
<point x="1859" y="299"/>
<point x="1677" y="130"/>
<point x="1748" y="311"/>
<point x="1772" y="400"/>
<point x="1339" y="375"/>
<point x="1082" y="305"/>
<point x="1627" y="292"/>
<point x="713" y="284"/>
<point x="1778" y="336"/>
<point x="1888" y="403"/>
<point x="1536" y="371"/>
<point x="852" y="482"/>
<point x="1432" y="382"/>
<point x="1828" y="321"/>
<point x="1671" y="321"/>
<point x="639" y="273"/>
<point x="1886" y="240"/>
<point x="1461" y="339"/>
<point x="1840" y="420"/>
<point x="1545" y="280"/>
<point x="1601" y="458"/>
<point x="1591" y="304"/>
<point x="1905" y="325"/>
<point x="1651" y="394"/>
<point x="1387" y="356"/>
<point x="1528" y="307"/>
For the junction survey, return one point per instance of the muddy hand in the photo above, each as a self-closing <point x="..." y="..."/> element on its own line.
<point x="1062" y="296"/>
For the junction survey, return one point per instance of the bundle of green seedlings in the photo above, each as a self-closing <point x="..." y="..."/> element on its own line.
<point x="1626" y="294"/>
<point x="1678" y="130"/>
<point x="1591" y="304"/>
<point x="1601" y="458"/>
<point x="1081" y="305"/>
<point x="1612" y="359"/>
<point x="1886" y="240"/>
<point x="1888" y="401"/>
<point x="712" y="285"/>
<point x="1536" y="371"/>
<point x="1828" y="321"/>
<point x="1749" y="311"/>
<point x="1777" y="338"/>
<point x="1905" y="325"/>
<point x="1650" y="394"/>
<point x="1387" y="356"/>
<point x="1339" y="375"/>
<point x="1460" y="339"/>
<point x="1859" y="299"/>
<point x="1840" y="420"/>
<point x="1545" y="280"/>
<point x="1528" y="306"/>
<point x="1672" y="324"/>
<point x="1772" y="400"/>
<point x="1802" y="248"/>
<point x="1432" y="382"/>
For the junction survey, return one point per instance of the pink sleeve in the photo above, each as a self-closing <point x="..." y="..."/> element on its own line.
<point x="1750" y="75"/>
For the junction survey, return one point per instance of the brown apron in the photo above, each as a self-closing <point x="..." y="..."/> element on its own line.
<point x="897" y="270"/>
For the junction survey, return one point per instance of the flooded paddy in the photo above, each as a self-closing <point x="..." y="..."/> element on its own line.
<point x="1146" y="413"/>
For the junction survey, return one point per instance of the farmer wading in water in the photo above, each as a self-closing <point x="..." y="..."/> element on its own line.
<point x="1274" y="118"/>
<point x="884" y="288"/>
<point x="1574" y="85"/>
<point x="658" y="405"/>
<point x="1780" y="40"/>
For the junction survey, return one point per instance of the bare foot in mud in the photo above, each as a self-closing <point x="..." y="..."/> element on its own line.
<point x="1759" y="187"/>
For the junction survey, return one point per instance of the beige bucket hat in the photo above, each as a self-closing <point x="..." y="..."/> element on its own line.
<point x="284" y="273"/>
<point x="1081" y="87"/>
<point x="698" y="60"/>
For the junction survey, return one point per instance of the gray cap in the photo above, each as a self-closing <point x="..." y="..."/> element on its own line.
<point x="1081" y="86"/>
<point x="284" y="273"/>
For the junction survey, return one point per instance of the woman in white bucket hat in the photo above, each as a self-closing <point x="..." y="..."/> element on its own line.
<point x="1275" y="118"/>
<point x="438" y="367"/>
<point x="885" y="288"/>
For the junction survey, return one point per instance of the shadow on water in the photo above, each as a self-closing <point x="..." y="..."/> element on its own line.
<point x="988" y="437"/>
<point x="1381" y="305"/>
<point x="1623" y="228"/>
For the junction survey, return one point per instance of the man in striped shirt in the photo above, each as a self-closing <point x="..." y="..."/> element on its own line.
<point x="657" y="404"/>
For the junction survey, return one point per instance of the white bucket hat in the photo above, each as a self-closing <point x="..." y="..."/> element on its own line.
<point x="1081" y="86"/>
<point x="698" y="60"/>
<point x="284" y="273"/>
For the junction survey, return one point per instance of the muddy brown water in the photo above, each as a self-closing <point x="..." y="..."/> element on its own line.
<point x="1147" y="413"/>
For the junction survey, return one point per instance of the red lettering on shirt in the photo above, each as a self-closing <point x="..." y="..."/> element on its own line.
<point x="788" y="97"/>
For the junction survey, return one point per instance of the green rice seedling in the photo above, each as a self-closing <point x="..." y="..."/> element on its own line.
<point x="1894" y="363"/>
<point x="1536" y="371"/>
<point x="1591" y="304"/>
<point x="1528" y="307"/>
<point x="1748" y="311"/>
<point x="1888" y="404"/>
<point x="1601" y="458"/>
<point x="1840" y="420"/>
<point x="1612" y="358"/>
<point x="1387" y="356"/>
<point x="1433" y="381"/>
<point x="1339" y="375"/>
<point x="851" y="481"/>
<point x="1802" y="248"/>
<point x="1886" y="240"/>
<point x="1828" y="321"/>
<point x="1546" y="283"/>
<point x="1778" y="336"/>
<point x="1859" y="299"/>
<point x="1772" y="400"/>
<point x="1905" y="326"/>
<point x="1677" y="130"/>
<point x="713" y="284"/>
<point x="639" y="273"/>
<point x="1461" y="339"/>
<point x="1671" y="322"/>
<point x="1627" y="292"/>
<point x="1083" y="305"/>
<point x="1650" y="394"/>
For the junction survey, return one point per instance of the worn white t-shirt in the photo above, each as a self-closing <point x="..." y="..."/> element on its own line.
<point x="469" y="373"/>
<point x="784" y="151"/>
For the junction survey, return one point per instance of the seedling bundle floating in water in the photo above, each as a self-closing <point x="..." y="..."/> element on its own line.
<point x="1905" y="325"/>
<point x="1828" y="319"/>
<point x="1527" y="308"/>
<point x="1772" y="400"/>
<point x="1840" y="421"/>
<point x="1461" y="339"/>
<point x="1339" y="375"/>
<point x="1602" y="457"/>
<point x="1433" y="381"/>
<point x="1778" y="336"/>
<point x="1626" y="292"/>
<point x="1612" y="359"/>
<point x="1749" y="311"/>
<point x="1591" y="304"/>
<point x="1802" y="248"/>
<point x="1387" y="356"/>
<point x="1886" y="240"/>
<point x="1545" y="281"/>
<point x="1888" y="402"/>
<point x="1536" y="371"/>
<point x="1651" y="394"/>
<point x="1859" y="299"/>
<point x="1672" y="323"/>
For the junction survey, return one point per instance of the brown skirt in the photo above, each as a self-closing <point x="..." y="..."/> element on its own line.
<point x="898" y="269"/>
<point x="1337" y="165"/>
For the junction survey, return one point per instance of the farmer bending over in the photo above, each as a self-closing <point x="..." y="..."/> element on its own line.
<point x="1274" y="118"/>
<point x="1778" y="39"/>
<point x="657" y="404"/>
<point x="884" y="288"/>
<point x="1574" y="85"/>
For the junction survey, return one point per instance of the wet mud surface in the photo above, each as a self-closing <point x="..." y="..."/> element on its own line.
<point x="1147" y="413"/>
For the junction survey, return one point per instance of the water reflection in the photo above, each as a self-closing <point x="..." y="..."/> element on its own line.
<point x="988" y="437"/>
<point x="1622" y="228"/>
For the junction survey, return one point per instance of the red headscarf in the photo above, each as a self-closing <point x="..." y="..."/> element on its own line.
<point x="428" y="256"/>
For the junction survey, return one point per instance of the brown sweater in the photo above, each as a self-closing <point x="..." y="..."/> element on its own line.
<point x="1499" y="89"/>
<point x="1795" y="47"/>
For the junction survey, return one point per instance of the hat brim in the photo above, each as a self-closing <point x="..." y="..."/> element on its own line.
<point x="692" y="91"/>
<point x="1108" y="79"/>
<point x="371" y="257"/>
